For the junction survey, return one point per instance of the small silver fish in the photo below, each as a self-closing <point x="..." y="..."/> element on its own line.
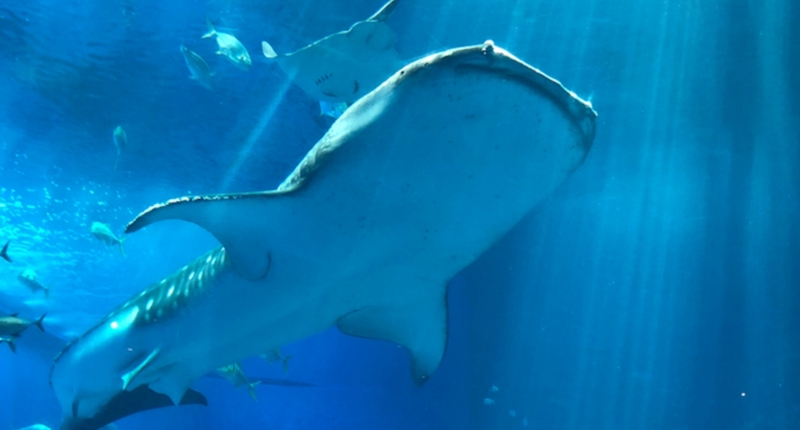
<point x="10" y="341"/>
<point x="120" y="141"/>
<point x="4" y="252"/>
<point x="30" y="279"/>
<point x="230" y="47"/>
<point x="13" y="326"/>
<point x="198" y="68"/>
<point x="103" y="233"/>
<point x="274" y="355"/>
<point x="234" y="373"/>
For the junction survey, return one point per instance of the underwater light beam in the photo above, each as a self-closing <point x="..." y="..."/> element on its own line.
<point x="255" y="135"/>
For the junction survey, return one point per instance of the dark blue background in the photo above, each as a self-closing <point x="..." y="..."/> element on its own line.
<point x="659" y="288"/>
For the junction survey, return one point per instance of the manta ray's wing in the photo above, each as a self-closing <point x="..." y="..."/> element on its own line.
<point x="370" y="35"/>
<point x="384" y="13"/>
<point x="128" y="403"/>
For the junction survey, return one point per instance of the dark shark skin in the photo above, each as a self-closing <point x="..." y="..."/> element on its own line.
<point x="130" y="402"/>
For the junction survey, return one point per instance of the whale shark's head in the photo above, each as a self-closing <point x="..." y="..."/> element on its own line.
<point x="499" y="62"/>
<point x="116" y="358"/>
<point x="117" y="367"/>
<point x="89" y="355"/>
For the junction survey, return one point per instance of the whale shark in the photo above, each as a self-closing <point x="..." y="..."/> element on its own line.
<point x="409" y="186"/>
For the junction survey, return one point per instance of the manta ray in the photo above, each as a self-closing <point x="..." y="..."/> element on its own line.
<point x="410" y="185"/>
<point x="344" y="66"/>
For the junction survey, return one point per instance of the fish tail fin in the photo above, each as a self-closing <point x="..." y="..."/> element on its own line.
<point x="122" y="251"/>
<point x="4" y="252"/>
<point x="267" y="50"/>
<point x="285" y="362"/>
<point x="11" y="344"/>
<point x="211" y="32"/>
<point x="39" y="321"/>
<point x="251" y="387"/>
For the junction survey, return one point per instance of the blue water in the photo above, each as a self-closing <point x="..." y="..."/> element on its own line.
<point x="658" y="288"/>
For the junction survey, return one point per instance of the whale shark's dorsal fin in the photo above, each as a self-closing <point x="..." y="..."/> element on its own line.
<point x="419" y="326"/>
<point x="375" y="35"/>
<point x="226" y="217"/>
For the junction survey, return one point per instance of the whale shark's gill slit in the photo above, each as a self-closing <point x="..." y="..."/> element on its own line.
<point x="323" y="78"/>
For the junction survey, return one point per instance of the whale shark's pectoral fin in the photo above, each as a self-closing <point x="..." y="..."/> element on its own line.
<point x="128" y="377"/>
<point x="130" y="402"/>
<point x="241" y="222"/>
<point x="419" y="326"/>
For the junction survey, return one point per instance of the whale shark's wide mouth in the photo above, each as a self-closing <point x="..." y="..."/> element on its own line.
<point x="490" y="57"/>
